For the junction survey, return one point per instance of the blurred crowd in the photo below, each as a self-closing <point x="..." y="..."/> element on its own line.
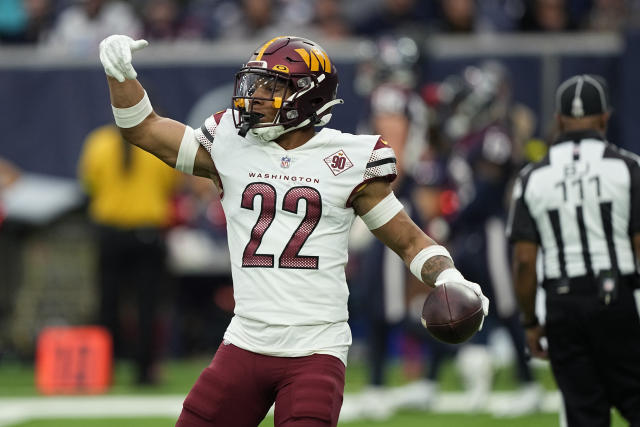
<point x="80" y="24"/>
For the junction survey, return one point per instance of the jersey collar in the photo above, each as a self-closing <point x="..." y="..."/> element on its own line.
<point x="579" y="135"/>
<point x="320" y="138"/>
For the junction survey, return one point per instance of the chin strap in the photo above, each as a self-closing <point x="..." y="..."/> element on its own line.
<point x="270" y="133"/>
<point x="250" y="119"/>
<point x="325" y="119"/>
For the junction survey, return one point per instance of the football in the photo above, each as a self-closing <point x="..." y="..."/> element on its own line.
<point x="452" y="313"/>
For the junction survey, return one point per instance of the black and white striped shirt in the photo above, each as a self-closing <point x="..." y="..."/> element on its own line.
<point x="581" y="204"/>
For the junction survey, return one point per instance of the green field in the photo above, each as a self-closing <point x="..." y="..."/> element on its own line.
<point x="404" y="419"/>
<point x="16" y="380"/>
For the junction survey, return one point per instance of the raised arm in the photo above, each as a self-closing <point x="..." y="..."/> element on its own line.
<point x="138" y="123"/>
<point x="388" y="221"/>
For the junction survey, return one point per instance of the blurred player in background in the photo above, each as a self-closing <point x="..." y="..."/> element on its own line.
<point x="199" y="261"/>
<point x="479" y="135"/>
<point x="388" y="76"/>
<point x="130" y="194"/>
<point x="10" y="249"/>
<point x="434" y="197"/>
<point x="289" y="338"/>
<point x="9" y="173"/>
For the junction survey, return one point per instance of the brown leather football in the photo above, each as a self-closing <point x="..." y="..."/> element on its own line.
<point x="452" y="313"/>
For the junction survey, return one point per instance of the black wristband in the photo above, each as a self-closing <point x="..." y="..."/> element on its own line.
<point x="531" y="323"/>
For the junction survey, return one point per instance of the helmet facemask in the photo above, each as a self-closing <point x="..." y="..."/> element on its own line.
<point x="272" y="90"/>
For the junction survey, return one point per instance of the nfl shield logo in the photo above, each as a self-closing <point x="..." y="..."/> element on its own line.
<point x="285" y="162"/>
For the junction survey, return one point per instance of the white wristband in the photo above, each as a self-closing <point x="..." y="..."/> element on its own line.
<point x="421" y="257"/>
<point x="133" y="116"/>
<point x="449" y="275"/>
<point x="381" y="213"/>
<point x="187" y="152"/>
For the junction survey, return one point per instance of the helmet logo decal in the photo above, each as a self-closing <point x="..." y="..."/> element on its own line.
<point x="315" y="58"/>
<point x="281" y="68"/>
<point x="265" y="46"/>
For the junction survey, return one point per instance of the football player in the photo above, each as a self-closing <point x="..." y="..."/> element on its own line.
<point x="481" y="132"/>
<point x="290" y="196"/>
<point x="388" y="76"/>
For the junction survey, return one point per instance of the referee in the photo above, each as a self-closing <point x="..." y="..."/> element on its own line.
<point x="581" y="206"/>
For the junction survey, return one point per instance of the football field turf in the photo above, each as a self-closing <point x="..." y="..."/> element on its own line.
<point x="404" y="419"/>
<point x="126" y="405"/>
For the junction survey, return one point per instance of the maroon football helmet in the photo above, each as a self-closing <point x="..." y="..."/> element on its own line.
<point x="292" y="74"/>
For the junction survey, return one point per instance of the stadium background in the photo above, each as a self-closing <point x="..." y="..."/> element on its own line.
<point x="52" y="97"/>
<point x="67" y="92"/>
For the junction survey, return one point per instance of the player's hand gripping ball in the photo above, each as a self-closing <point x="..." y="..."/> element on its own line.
<point x="452" y="313"/>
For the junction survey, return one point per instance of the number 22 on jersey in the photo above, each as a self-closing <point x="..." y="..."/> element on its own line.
<point x="289" y="258"/>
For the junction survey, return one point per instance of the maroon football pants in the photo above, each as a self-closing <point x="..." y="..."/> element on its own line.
<point x="238" y="388"/>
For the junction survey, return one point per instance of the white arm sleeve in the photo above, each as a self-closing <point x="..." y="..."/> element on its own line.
<point x="382" y="213"/>
<point x="132" y="116"/>
<point x="187" y="152"/>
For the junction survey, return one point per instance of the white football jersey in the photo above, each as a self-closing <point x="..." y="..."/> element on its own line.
<point x="288" y="221"/>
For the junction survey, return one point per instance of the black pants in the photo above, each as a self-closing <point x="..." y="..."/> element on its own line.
<point x="132" y="267"/>
<point x="594" y="351"/>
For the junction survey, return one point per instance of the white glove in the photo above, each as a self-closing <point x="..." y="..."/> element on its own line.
<point x="115" y="55"/>
<point x="451" y="275"/>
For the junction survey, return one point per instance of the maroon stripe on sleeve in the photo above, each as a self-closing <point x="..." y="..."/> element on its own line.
<point x="388" y="178"/>
<point x="218" y="116"/>
<point x="381" y="143"/>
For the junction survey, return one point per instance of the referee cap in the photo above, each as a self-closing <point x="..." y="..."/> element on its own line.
<point x="582" y="95"/>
